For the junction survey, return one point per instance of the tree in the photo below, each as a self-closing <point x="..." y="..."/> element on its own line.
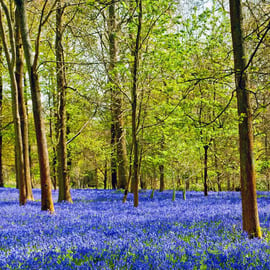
<point x="46" y="195"/>
<point x="10" y="58"/>
<point x="62" y="169"/>
<point x="112" y="79"/>
<point x="161" y="167"/>
<point x="1" y="111"/>
<point x="19" y="74"/>
<point x="119" y="162"/>
<point x="247" y="172"/>
<point x="136" y="53"/>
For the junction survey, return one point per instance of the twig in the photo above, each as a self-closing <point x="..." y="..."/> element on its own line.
<point x="82" y="128"/>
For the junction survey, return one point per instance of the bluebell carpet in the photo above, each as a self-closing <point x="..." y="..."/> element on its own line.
<point x="98" y="231"/>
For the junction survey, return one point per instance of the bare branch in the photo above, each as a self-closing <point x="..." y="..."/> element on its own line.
<point x="83" y="127"/>
<point x="10" y="30"/>
<point x="41" y="23"/>
<point x="256" y="49"/>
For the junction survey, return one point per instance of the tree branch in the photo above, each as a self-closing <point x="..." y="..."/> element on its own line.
<point x="256" y="49"/>
<point x="41" y="23"/>
<point x="10" y="30"/>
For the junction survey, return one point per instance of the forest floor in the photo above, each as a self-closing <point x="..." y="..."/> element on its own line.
<point x="98" y="231"/>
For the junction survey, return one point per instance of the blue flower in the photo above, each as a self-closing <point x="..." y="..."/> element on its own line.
<point x="98" y="231"/>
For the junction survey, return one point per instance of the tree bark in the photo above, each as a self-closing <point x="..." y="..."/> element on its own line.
<point x="161" y="178"/>
<point x="105" y="180"/>
<point x="113" y="157"/>
<point x="205" y="176"/>
<point x="112" y="51"/>
<point x="134" y="104"/>
<point x="62" y="170"/>
<point x="46" y="195"/>
<point x="161" y="168"/>
<point x="22" y="110"/>
<point x="19" y="160"/>
<point x="54" y="154"/>
<point x="228" y="182"/>
<point x="122" y="166"/>
<point x="119" y="140"/>
<point x="247" y="172"/>
<point x="1" y="111"/>
<point x="217" y="167"/>
<point x="69" y="157"/>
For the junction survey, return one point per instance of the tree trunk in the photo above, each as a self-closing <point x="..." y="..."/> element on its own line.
<point x="233" y="183"/>
<point x="134" y="105"/>
<point x="19" y="159"/>
<point x="161" y="178"/>
<point x="51" y="101"/>
<point x="116" y="103"/>
<point x="113" y="158"/>
<point x="217" y="167"/>
<point x="161" y="166"/>
<point x="54" y="169"/>
<point x="62" y="170"/>
<point x="29" y="145"/>
<point x="96" y="176"/>
<point x="228" y="182"/>
<point x="187" y="184"/>
<point x="266" y="147"/>
<point x="46" y="194"/>
<point x="129" y="176"/>
<point x="105" y="180"/>
<point x="22" y="110"/>
<point x="247" y="172"/>
<point x="69" y="157"/>
<point x="1" y="103"/>
<point x="205" y="169"/>
<point x="122" y="160"/>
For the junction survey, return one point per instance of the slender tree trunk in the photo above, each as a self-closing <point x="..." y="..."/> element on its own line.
<point x="96" y="175"/>
<point x="217" y="167"/>
<point x="1" y="111"/>
<point x="17" y="178"/>
<point x="215" y="152"/>
<point x="247" y="172"/>
<point x="122" y="159"/>
<point x="129" y="176"/>
<point x="20" y="173"/>
<point x="46" y="194"/>
<point x="113" y="157"/>
<point x="62" y="170"/>
<point x="112" y="77"/>
<point x="117" y="100"/>
<point x="112" y="50"/>
<point x="161" y="178"/>
<point x="233" y="183"/>
<point x="134" y="104"/>
<point x="161" y="168"/>
<point x="69" y="157"/>
<point x="206" y="147"/>
<point x="105" y="175"/>
<point x="29" y="145"/>
<point x="267" y="158"/>
<point x="187" y="184"/>
<point x="22" y="110"/>
<point x="266" y="147"/>
<point x="54" y="164"/>
<point x="53" y="114"/>
<point x="228" y="182"/>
